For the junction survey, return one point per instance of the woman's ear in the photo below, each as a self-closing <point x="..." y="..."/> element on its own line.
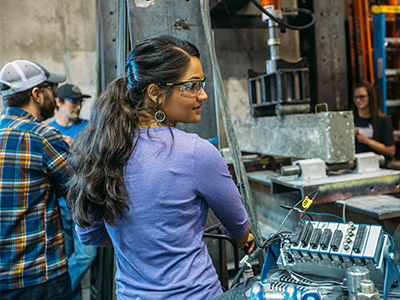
<point x="153" y="91"/>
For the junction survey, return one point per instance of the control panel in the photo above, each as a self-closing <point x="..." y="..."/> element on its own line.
<point x="328" y="248"/>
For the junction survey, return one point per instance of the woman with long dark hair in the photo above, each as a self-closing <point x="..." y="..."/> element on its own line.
<point x="373" y="129"/>
<point x="144" y="187"/>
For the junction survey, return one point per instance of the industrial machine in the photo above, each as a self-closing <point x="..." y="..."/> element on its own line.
<point x="316" y="247"/>
<point x="321" y="260"/>
<point x="284" y="89"/>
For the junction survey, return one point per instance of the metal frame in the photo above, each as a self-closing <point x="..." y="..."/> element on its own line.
<point x="324" y="46"/>
<point x="380" y="42"/>
<point x="380" y="59"/>
<point x="223" y="237"/>
<point x="341" y="187"/>
<point x="282" y="92"/>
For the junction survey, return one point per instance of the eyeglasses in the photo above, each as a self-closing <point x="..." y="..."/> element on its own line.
<point x="360" y="97"/>
<point x="190" y="88"/>
<point x="53" y="86"/>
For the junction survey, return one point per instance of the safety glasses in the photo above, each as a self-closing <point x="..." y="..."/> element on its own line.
<point x="189" y="88"/>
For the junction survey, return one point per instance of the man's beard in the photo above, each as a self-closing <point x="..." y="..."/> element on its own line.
<point x="47" y="108"/>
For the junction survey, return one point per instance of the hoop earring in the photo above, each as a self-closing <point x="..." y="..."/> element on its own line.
<point x="159" y="116"/>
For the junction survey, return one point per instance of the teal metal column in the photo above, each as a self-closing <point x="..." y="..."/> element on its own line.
<point x="379" y="32"/>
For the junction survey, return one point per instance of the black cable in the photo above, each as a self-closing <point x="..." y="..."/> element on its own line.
<point x="237" y="35"/>
<point x="287" y="9"/>
<point x="289" y="207"/>
<point x="277" y="236"/>
<point x="254" y="255"/>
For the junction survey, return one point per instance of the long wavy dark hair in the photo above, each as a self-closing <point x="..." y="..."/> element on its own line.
<point x="373" y="102"/>
<point x="99" y="154"/>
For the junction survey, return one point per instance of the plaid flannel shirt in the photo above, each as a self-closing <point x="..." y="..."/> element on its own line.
<point x="32" y="167"/>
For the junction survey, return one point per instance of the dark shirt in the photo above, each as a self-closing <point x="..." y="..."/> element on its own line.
<point x="383" y="132"/>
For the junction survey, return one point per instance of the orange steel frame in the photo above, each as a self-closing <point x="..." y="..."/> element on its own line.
<point x="363" y="40"/>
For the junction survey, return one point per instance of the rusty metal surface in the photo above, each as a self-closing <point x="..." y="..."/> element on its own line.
<point x="333" y="188"/>
<point x="381" y="207"/>
<point x="324" y="46"/>
<point x="183" y="19"/>
<point x="342" y="187"/>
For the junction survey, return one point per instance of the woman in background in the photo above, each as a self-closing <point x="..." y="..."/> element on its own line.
<point x="144" y="187"/>
<point x="373" y="129"/>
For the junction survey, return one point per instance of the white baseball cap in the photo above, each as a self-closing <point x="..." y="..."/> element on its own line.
<point x="21" y="75"/>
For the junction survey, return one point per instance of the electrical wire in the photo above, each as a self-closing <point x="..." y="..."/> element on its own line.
<point x="389" y="237"/>
<point x="301" y="215"/>
<point x="287" y="9"/>
<point x="325" y="214"/>
<point x="315" y="192"/>
<point x="313" y="283"/>
<point x="275" y="237"/>
<point x="266" y="243"/>
<point x="392" y="294"/>
<point x="237" y="36"/>
<point x="296" y="209"/>
<point x="344" y="211"/>
<point x="313" y="213"/>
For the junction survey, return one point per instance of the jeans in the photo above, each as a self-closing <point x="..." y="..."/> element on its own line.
<point x="58" y="288"/>
<point x="80" y="257"/>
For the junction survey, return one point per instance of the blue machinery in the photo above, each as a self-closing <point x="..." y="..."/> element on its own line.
<point x="327" y="250"/>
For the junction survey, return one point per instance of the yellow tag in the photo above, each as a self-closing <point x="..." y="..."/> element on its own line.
<point x="307" y="203"/>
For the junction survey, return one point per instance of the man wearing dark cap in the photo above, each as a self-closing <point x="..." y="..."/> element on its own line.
<point x="69" y="103"/>
<point x="33" y="170"/>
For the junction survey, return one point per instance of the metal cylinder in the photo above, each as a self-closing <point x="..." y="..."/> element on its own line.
<point x="354" y="276"/>
<point x="282" y="109"/>
<point x="291" y="170"/>
<point x="296" y="170"/>
<point x="367" y="286"/>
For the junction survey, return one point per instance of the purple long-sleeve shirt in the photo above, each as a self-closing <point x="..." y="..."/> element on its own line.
<point x="159" y="242"/>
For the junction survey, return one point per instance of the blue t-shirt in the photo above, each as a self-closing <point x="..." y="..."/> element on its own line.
<point x="71" y="131"/>
<point x="171" y="182"/>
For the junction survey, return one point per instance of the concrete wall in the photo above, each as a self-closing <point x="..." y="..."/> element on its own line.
<point x="58" y="34"/>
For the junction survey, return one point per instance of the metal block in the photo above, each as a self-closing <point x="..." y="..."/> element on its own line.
<point x="326" y="135"/>
<point x="311" y="168"/>
<point x="367" y="162"/>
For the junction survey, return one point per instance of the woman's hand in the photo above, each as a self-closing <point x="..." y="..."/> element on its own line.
<point x="376" y="146"/>
<point x="246" y="242"/>
<point x="362" y="138"/>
